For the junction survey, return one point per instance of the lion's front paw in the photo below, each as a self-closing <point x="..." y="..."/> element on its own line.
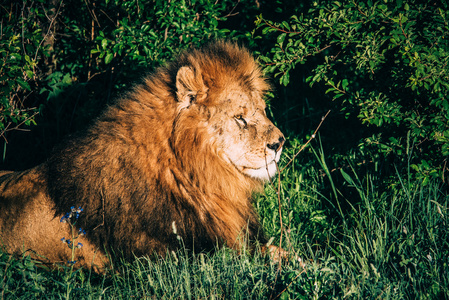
<point x="278" y="254"/>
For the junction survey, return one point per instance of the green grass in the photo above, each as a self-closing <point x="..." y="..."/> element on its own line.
<point x="360" y="239"/>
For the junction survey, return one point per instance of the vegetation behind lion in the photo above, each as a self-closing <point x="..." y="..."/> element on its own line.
<point x="178" y="156"/>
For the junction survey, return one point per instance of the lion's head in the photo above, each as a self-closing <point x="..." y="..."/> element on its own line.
<point x="223" y="87"/>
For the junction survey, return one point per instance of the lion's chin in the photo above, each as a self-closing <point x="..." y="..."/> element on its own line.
<point x="263" y="173"/>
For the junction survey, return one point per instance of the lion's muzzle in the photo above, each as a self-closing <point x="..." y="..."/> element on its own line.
<point x="277" y="146"/>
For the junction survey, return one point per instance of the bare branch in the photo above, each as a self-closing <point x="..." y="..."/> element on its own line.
<point x="310" y="139"/>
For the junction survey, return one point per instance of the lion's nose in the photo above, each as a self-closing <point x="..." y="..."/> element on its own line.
<point x="276" y="146"/>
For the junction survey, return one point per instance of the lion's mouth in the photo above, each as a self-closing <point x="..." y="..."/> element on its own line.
<point x="264" y="173"/>
<point x="263" y="170"/>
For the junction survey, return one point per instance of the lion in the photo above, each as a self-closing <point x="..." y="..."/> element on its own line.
<point x="172" y="163"/>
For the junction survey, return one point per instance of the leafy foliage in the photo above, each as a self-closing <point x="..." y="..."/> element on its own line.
<point x="22" y="45"/>
<point x="385" y="62"/>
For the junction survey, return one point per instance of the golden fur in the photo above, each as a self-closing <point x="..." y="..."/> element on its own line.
<point x="178" y="156"/>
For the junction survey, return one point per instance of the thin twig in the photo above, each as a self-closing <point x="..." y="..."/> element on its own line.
<point x="48" y="31"/>
<point x="278" y="192"/>
<point x="280" y="215"/>
<point x="231" y="13"/>
<point x="2" y="133"/>
<point x="310" y="139"/>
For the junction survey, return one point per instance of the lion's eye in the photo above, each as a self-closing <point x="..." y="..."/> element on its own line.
<point x="241" y="121"/>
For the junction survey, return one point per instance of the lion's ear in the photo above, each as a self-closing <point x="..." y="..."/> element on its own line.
<point x="189" y="86"/>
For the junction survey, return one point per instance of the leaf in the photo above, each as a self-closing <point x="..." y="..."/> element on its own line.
<point x="108" y="58"/>
<point x="281" y="38"/>
<point x="347" y="177"/>
<point x="344" y="84"/>
<point x="15" y="56"/>
<point x="23" y="84"/>
<point x="266" y="30"/>
<point x="29" y="73"/>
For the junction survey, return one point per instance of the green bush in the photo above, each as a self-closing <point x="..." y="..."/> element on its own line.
<point x="385" y="62"/>
<point x="22" y="44"/>
<point x="149" y="34"/>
